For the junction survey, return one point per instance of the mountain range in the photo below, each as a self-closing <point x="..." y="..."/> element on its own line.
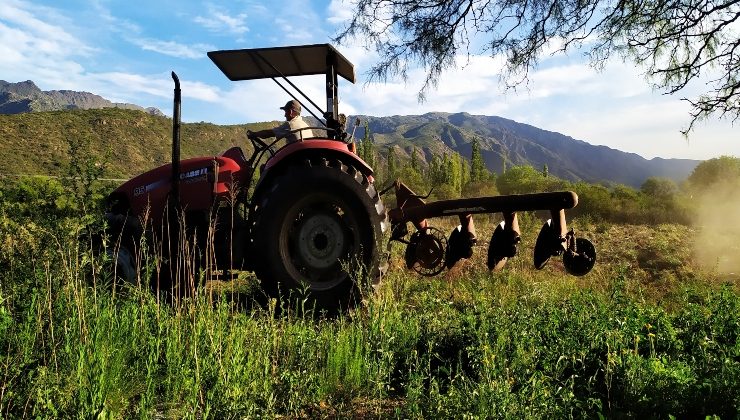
<point x="504" y="142"/>
<point x="17" y="98"/>
<point x="138" y="139"/>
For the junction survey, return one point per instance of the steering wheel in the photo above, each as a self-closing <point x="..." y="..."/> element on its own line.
<point x="260" y="144"/>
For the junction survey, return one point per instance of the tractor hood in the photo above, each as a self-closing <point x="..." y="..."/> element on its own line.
<point x="264" y="63"/>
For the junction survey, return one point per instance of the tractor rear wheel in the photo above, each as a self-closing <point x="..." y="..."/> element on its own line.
<point x="318" y="230"/>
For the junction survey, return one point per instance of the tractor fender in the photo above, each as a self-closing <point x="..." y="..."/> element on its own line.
<point x="310" y="149"/>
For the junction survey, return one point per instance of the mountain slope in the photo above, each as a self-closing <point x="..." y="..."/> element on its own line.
<point x="133" y="141"/>
<point x="128" y="142"/>
<point x="33" y="141"/>
<point x="17" y="98"/>
<point x="505" y="142"/>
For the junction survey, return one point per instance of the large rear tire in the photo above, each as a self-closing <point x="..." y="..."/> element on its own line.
<point x="319" y="230"/>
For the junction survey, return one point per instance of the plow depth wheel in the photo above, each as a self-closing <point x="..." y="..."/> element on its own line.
<point x="425" y="252"/>
<point x="318" y="229"/>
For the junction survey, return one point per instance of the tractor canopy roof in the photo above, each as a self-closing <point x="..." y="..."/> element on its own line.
<point x="301" y="60"/>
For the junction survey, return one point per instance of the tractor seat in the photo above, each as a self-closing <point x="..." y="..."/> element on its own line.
<point x="318" y="133"/>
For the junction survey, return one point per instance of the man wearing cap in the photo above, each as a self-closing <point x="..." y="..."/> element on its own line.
<point x="291" y="128"/>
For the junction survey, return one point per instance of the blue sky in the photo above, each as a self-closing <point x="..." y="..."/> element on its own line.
<point x="125" y="51"/>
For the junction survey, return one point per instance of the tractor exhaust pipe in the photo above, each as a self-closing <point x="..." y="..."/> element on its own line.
<point x="175" y="193"/>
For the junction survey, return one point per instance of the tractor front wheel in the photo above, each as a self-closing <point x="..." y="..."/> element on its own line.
<point x="318" y="230"/>
<point x="124" y="233"/>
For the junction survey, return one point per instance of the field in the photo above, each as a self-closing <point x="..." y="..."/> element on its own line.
<point x="650" y="332"/>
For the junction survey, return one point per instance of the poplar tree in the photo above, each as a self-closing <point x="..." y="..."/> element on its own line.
<point x="415" y="161"/>
<point x="392" y="164"/>
<point x="478" y="171"/>
<point x="367" y="147"/>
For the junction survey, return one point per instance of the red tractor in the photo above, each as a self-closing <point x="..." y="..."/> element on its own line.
<point x="306" y="216"/>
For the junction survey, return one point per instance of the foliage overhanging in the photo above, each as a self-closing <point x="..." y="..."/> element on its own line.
<point x="676" y="41"/>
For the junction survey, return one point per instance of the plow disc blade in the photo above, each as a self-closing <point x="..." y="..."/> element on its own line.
<point x="459" y="246"/>
<point x="580" y="261"/>
<point x="503" y="245"/>
<point x="548" y="244"/>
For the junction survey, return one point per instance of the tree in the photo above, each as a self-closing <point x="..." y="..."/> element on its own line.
<point x="526" y="179"/>
<point x="520" y="180"/>
<point x="367" y="147"/>
<point x="478" y="171"/>
<point x="454" y="171"/>
<point x="415" y="161"/>
<point x="392" y="164"/>
<point x="446" y="174"/>
<point x="677" y="41"/>
<point x="724" y="169"/>
<point x="659" y="188"/>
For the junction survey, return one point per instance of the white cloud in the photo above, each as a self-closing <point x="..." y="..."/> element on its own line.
<point x="339" y="12"/>
<point x="173" y="49"/>
<point x="646" y="124"/>
<point x="113" y="23"/>
<point x="260" y="100"/>
<point x="127" y="87"/>
<point x="472" y="87"/>
<point x="219" y="21"/>
<point x="23" y="31"/>
<point x="201" y="91"/>
<point x="33" y="49"/>
<point x="112" y="83"/>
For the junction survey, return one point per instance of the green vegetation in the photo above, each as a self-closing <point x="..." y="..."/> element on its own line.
<point x="649" y="332"/>
<point x="659" y="200"/>
<point x="126" y="142"/>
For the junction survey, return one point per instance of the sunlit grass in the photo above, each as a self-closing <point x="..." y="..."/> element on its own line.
<point x="647" y="333"/>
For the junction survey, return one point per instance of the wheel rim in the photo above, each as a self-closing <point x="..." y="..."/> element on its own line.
<point x="321" y="240"/>
<point x="319" y="235"/>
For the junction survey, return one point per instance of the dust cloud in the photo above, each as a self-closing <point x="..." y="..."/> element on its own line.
<point x="717" y="245"/>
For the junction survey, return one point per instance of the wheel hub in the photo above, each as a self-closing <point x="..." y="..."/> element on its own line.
<point x="321" y="241"/>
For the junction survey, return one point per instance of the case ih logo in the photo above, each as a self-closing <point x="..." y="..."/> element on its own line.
<point x="186" y="177"/>
<point x="190" y="175"/>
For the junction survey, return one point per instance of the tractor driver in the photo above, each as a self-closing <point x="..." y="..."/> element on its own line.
<point x="287" y="130"/>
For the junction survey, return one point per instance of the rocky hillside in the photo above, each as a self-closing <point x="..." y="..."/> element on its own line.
<point x="505" y="142"/>
<point x="17" y="98"/>
<point x="37" y="142"/>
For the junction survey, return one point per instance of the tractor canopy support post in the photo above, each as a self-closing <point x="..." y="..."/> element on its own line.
<point x="332" y="98"/>
<point x="332" y="95"/>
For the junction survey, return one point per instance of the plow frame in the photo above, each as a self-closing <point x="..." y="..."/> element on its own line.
<point x="429" y="252"/>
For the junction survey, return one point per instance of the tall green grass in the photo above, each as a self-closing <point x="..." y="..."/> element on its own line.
<point x="639" y="336"/>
